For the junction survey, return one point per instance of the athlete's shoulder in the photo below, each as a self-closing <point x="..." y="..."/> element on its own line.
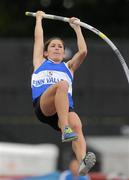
<point x="36" y="68"/>
<point x="67" y="64"/>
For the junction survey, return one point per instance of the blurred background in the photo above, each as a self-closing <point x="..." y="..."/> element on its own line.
<point x="101" y="90"/>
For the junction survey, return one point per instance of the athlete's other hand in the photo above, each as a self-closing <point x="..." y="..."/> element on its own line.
<point x="74" y="22"/>
<point x="40" y="14"/>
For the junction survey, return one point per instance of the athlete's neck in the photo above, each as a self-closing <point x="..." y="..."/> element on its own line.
<point x="56" y="62"/>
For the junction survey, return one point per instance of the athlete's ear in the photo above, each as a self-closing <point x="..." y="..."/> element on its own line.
<point x="64" y="55"/>
<point x="45" y="54"/>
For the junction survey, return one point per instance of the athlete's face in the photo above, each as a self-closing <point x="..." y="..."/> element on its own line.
<point x="55" y="50"/>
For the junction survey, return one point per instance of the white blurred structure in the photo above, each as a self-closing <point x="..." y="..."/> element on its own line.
<point x="25" y="160"/>
<point x="114" y="153"/>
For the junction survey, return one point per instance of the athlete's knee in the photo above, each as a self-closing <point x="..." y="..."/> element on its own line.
<point x="77" y="127"/>
<point x="63" y="85"/>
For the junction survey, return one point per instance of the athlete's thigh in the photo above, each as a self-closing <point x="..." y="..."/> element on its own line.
<point x="47" y="101"/>
<point x="74" y="121"/>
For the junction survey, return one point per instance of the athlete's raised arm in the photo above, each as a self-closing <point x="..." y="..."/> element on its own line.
<point x="79" y="57"/>
<point x="38" y="40"/>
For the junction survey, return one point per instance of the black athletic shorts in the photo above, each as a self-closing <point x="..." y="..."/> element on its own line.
<point x="50" y="120"/>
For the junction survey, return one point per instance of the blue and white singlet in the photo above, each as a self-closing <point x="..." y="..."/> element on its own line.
<point x="48" y="74"/>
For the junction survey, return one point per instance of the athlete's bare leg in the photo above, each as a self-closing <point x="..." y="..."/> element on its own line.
<point x="55" y="99"/>
<point x="79" y="146"/>
<point x="86" y="159"/>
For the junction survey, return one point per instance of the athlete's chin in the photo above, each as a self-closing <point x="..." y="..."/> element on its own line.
<point x="56" y="59"/>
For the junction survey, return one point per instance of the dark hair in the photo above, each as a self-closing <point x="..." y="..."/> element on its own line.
<point x="49" y="41"/>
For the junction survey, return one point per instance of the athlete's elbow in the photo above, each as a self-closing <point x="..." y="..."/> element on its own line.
<point x="83" y="53"/>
